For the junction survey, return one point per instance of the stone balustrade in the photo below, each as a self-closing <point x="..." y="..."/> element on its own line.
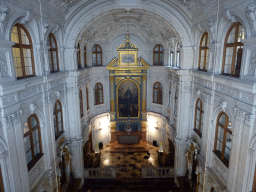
<point x="157" y="172"/>
<point x="100" y="173"/>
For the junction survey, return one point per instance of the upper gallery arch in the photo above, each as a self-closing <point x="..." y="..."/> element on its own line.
<point x="100" y="20"/>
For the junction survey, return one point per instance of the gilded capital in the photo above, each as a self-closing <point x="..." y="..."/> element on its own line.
<point x="111" y="78"/>
<point x="144" y="78"/>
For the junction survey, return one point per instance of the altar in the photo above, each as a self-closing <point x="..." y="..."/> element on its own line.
<point x="123" y="137"/>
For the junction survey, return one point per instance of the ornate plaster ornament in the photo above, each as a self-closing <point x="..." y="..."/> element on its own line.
<point x="251" y="12"/>
<point x="212" y="26"/>
<point x="198" y="92"/>
<point x="32" y="107"/>
<point x="55" y="29"/>
<point x="45" y="27"/>
<point x="3" y="13"/>
<point x="58" y="94"/>
<point x="200" y="27"/>
<point x="229" y="16"/>
<point x="26" y="18"/>
<point x="223" y="105"/>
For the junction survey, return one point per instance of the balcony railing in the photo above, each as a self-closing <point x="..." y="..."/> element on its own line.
<point x="157" y="172"/>
<point x="100" y="173"/>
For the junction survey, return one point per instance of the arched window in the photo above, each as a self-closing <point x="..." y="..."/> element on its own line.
<point x="85" y="57"/>
<point x="175" y="103"/>
<point x="98" y="90"/>
<point x="203" y="53"/>
<point x="158" y="55"/>
<point x="58" y="120"/>
<point x="22" y="52"/>
<point x="233" y="50"/>
<point x="96" y="55"/>
<point x="212" y="190"/>
<point x="178" y="59"/>
<point x="32" y="141"/>
<point x="81" y="104"/>
<point x="78" y="57"/>
<point x="158" y="93"/>
<point x="87" y="99"/>
<point x="198" y="124"/>
<point x="53" y="53"/>
<point x="223" y="138"/>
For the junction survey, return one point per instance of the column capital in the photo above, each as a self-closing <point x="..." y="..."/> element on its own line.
<point x="144" y="78"/>
<point x="111" y="78"/>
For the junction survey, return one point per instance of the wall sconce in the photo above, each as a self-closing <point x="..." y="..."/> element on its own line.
<point x="156" y="126"/>
<point x="99" y="126"/>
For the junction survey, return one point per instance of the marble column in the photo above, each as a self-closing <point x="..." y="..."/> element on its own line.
<point x="112" y="104"/>
<point x="144" y="104"/>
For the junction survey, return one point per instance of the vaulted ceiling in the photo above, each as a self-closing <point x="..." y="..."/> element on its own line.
<point x="147" y="26"/>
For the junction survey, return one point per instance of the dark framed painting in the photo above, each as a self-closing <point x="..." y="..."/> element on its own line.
<point x="128" y="99"/>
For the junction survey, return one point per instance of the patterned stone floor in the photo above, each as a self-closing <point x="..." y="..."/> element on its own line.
<point x="128" y="164"/>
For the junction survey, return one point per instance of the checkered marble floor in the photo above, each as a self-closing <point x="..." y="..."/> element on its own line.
<point x="128" y="164"/>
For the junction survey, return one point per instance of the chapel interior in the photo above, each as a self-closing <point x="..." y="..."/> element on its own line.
<point x="127" y="95"/>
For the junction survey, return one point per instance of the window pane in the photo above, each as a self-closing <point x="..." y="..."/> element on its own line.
<point x="228" y="60"/>
<point x="197" y="125"/>
<point x="59" y="117"/>
<point x="33" y="122"/>
<point x="178" y="59"/>
<point x="53" y="43"/>
<point x="94" y="49"/>
<point x="161" y="48"/>
<point x="240" y="33"/>
<point x="24" y="37"/>
<point x="26" y="128"/>
<point x="222" y="119"/>
<point x="58" y="106"/>
<point x="99" y="59"/>
<point x="220" y="134"/>
<point x="231" y="37"/>
<point x="156" y="59"/>
<point x="198" y="115"/>
<point x="206" y="59"/>
<point x="14" y="35"/>
<point x="17" y="62"/>
<point x="37" y="149"/>
<point x="228" y="146"/>
<point x="203" y="41"/>
<point x="238" y="60"/>
<point x="155" y="96"/>
<point x="28" y="61"/>
<point x="229" y="126"/>
<point x="156" y="49"/>
<point x="29" y="156"/>
<point x="93" y="59"/>
<point x="202" y="59"/>
<point x="171" y="58"/>
<point x="27" y="143"/>
<point x="161" y="59"/>
<point x="50" y="60"/>
<point x="35" y="136"/>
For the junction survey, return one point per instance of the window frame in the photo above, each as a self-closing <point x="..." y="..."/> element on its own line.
<point x="206" y="52"/>
<point x="234" y="45"/>
<point x="200" y="110"/>
<point x="29" y="134"/>
<point x="51" y="50"/>
<point x="55" y="113"/>
<point x="159" y="90"/>
<point x="81" y="104"/>
<point x="175" y="110"/>
<point x="221" y="154"/>
<point x="1" y="181"/>
<point x="158" y="53"/>
<point x="79" y="65"/>
<point x="97" y="94"/>
<point x="21" y="46"/>
<point x="96" y="54"/>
